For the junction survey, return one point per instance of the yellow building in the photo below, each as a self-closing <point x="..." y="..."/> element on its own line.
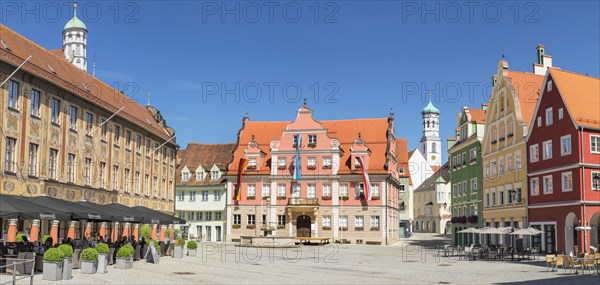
<point x="68" y="135"/>
<point x="511" y="106"/>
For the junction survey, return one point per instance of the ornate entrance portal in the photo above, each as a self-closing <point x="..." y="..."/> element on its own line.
<point x="303" y="226"/>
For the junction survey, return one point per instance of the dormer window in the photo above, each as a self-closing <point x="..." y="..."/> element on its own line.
<point x="214" y="175"/>
<point x="185" y="176"/>
<point x="199" y="175"/>
<point x="251" y="164"/>
<point x="401" y="170"/>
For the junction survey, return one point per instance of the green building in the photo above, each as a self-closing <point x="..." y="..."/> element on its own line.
<point x="466" y="175"/>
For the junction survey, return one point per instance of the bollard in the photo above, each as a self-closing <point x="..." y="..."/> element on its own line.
<point x="14" y="272"/>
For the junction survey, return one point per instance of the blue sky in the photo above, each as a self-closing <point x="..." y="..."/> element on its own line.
<point x="364" y="57"/>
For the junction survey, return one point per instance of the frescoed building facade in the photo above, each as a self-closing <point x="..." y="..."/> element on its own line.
<point x="504" y="151"/>
<point x="200" y="190"/>
<point x="564" y="163"/>
<point x="464" y="154"/>
<point x="328" y="200"/>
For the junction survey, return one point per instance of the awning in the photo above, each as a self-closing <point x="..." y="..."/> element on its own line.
<point x="123" y="213"/>
<point x="16" y="208"/>
<point x="156" y="217"/>
<point x="76" y="210"/>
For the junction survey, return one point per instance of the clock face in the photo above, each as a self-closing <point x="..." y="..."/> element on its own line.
<point x="433" y="157"/>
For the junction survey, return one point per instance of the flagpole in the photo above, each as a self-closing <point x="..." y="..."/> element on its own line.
<point x="19" y="67"/>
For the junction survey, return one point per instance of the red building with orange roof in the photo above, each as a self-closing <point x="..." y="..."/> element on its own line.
<point x="564" y="163"/>
<point x="329" y="200"/>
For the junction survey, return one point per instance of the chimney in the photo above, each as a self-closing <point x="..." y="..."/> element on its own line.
<point x="543" y="61"/>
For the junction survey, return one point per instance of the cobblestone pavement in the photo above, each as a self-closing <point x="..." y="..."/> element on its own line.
<point x="412" y="261"/>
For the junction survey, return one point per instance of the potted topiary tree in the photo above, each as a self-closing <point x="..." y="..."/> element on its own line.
<point x="178" y="248"/>
<point x="89" y="261"/>
<point x="192" y="246"/>
<point x="146" y="231"/>
<point x="53" y="264"/>
<point x="103" y="251"/>
<point x="168" y="233"/>
<point x="124" y="260"/>
<point x="67" y="251"/>
<point x="131" y="250"/>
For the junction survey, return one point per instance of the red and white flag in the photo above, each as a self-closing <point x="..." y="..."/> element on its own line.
<point x="365" y="176"/>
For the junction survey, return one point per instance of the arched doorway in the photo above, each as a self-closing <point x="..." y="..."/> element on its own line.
<point x="595" y="232"/>
<point x="570" y="233"/>
<point x="303" y="226"/>
<point x="433" y="230"/>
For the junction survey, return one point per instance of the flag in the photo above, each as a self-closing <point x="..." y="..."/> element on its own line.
<point x="297" y="165"/>
<point x="241" y="167"/>
<point x="365" y="176"/>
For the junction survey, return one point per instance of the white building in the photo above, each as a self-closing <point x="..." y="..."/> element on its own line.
<point x="200" y="191"/>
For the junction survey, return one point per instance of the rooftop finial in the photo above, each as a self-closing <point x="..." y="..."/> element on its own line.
<point x="429" y="97"/>
<point x="305" y="102"/>
<point x="252" y="137"/>
<point x="75" y="10"/>
<point x="359" y="135"/>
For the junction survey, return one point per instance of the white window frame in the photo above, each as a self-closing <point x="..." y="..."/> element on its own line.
<point x="32" y="162"/>
<point x="281" y="190"/>
<point x="594" y="144"/>
<point x="185" y="176"/>
<point x="266" y="190"/>
<point x="344" y="190"/>
<point x="547" y="150"/>
<point x="327" y="189"/>
<point x="71" y="164"/>
<point x="55" y="110"/>
<point x="35" y="96"/>
<point x="311" y="191"/>
<point x="561" y="113"/>
<point x="73" y="117"/>
<point x="593" y="173"/>
<point x="13" y="99"/>
<point x="251" y="188"/>
<point x="375" y="221"/>
<point x="281" y="161"/>
<point x="374" y="190"/>
<point x="359" y="221"/>
<point x="566" y="179"/>
<point x="548" y="188"/>
<point x="312" y="161"/>
<point x="564" y="139"/>
<point x="534" y="153"/>
<point x="474" y="184"/>
<point x="549" y="116"/>
<point x="326" y="222"/>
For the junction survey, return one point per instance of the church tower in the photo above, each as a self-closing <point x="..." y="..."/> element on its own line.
<point x="75" y="41"/>
<point x="431" y="143"/>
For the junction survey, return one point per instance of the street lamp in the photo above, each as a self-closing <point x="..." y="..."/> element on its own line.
<point x="583" y="229"/>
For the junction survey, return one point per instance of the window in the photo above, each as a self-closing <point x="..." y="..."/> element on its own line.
<point x="87" y="171"/>
<point x="295" y="190"/>
<point x="214" y="175"/>
<point x="155" y="186"/>
<point x="55" y="111"/>
<point x="567" y="181"/>
<point x="549" y="117"/>
<point x="204" y="195"/>
<point x="192" y="196"/>
<point x="560" y="113"/>
<point x="474" y="184"/>
<point x="281" y="190"/>
<point x="102" y="175"/>
<point x="218" y="216"/>
<point x="493" y="168"/>
<point x="146" y="184"/>
<point x="138" y="143"/>
<point x="518" y="162"/>
<point x="52" y="163"/>
<point x="595" y="144"/>
<point x="486" y="170"/>
<point x="534" y="186"/>
<point x="218" y="195"/>
<point x="237" y="219"/>
<point x="180" y="195"/>
<point x="549" y="86"/>
<point x="509" y="162"/>
<point x="374" y="191"/>
<point x="501" y="166"/>
<point x="10" y="155"/>
<point x="115" y="177"/>
<point x="71" y="168"/>
<point x="344" y="190"/>
<point x="493" y="194"/>
<point x="473" y="154"/>
<point x="13" y="95"/>
<point x="252" y="162"/>
<point x="464" y="187"/>
<point x="375" y="221"/>
<point x="117" y="135"/>
<point x="126" y="181"/>
<point x="200" y="175"/>
<point x="344" y="222"/>
<point x="264" y="220"/>
<point x="534" y="155"/>
<point x="359" y="189"/>
<point x="547" y="149"/>
<point x="251" y="219"/>
<point x="539" y="121"/>
<point x="266" y="190"/>
<point x="198" y="215"/>
<point x="128" y="139"/>
<point x="312" y="140"/>
<point x="32" y="165"/>
<point x="565" y="145"/>
<point x="548" y="184"/>
<point x="596" y="181"/>
<point x="281" y="220"/>
<point x="433" y="148"/>
<point x="251" y="190"/>
<point x="137" y="187"/>
<point x="327" y="221"/>
<point x="359" y="221"/>
<point x="327" y="162"/>
<point x="35" y="103"/>
<point x="89" y="123"/>
<point x="312" y="191"/>
<point x="281" y="161"/>
<point x="327" y="190"/>
<point x="73" y="118"/>
<point x="312" y="161"/>
<point x="511" y="129"/>
<point x="487" y="199"/>
<point x="148" y="147"/>
<point x="510" y="197"/>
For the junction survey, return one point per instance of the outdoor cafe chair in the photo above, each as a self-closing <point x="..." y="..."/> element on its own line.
<point x="571" y="264"/>
<point x="19" y="268"/>
<point x="111" y="256"/>
<point x="589" y="262"/>
<point x="550" y="262"/>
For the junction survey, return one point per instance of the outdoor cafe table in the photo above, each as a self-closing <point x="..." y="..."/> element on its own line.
<point x="583" y="259"/>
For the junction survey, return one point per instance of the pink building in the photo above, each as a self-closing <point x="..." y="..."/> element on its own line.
<point x="329" y="198"/>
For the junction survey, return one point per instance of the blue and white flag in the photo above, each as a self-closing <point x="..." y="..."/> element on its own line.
<point x="297" y="165"/>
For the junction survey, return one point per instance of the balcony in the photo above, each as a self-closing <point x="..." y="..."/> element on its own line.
<point x="303" y="202"/>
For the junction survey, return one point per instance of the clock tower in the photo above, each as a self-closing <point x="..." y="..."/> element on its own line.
<point x="431" y="143"/>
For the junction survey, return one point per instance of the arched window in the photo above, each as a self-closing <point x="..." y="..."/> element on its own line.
<point x="428" y="124"/>
<point x="433" y="147"/>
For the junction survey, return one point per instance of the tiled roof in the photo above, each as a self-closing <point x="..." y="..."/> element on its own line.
<point x="477" y="115"/>
<point x="207" y="155"/>
<point x="581" y="94"/>
<point x="402" y="156"/>
<point x="429" y="183"/>
<point x="373" y="131"/>
<point x="52" y="66"/>
<point x="528" y="86"/>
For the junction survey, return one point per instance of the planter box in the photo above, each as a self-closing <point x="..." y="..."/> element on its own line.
<point x="67" y="273"/>
<point x="102" y="263"/>
<point x="52" y="271"/>
<point x="124" y="263"/>
<point x="191" y="252"/>
<point x="178" y="252"/>
<point x="88" y="267"/>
